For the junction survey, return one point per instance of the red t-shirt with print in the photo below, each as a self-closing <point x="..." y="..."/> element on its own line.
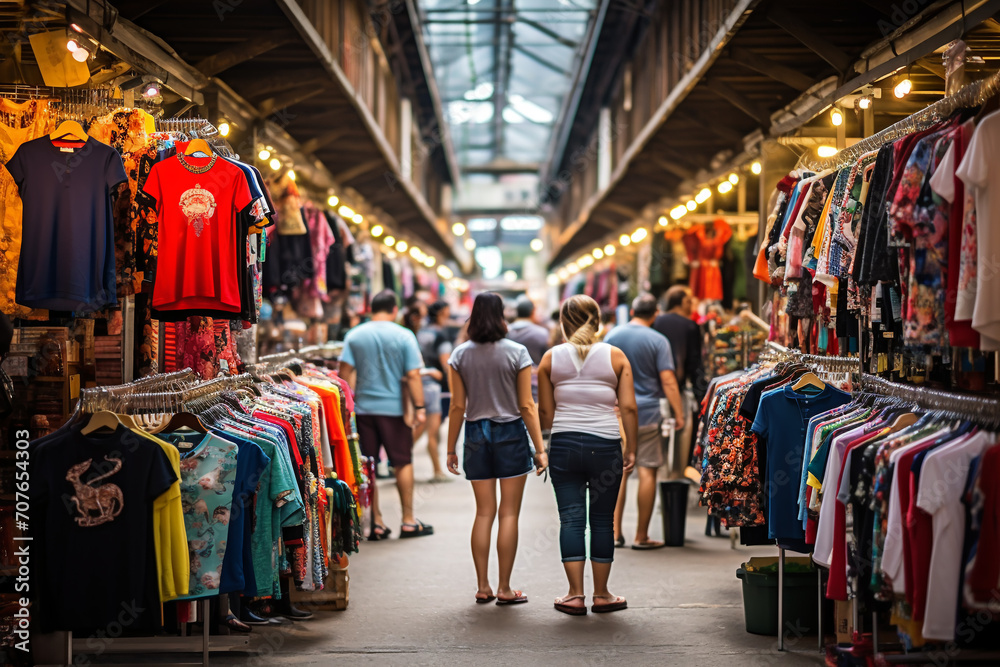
<point x="199" y="201"/>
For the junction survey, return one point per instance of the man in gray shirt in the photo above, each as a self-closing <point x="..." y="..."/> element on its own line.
<point x="534" y="337"/>
<point x="652" y="363"/>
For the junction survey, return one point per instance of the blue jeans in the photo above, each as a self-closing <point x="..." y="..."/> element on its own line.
<point x="585" y="466"/>
<point x="496" y="450"/>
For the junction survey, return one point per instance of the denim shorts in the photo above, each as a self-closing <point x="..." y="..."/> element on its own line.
<point x="432" y="396"/>
<point x="496" y="450"/>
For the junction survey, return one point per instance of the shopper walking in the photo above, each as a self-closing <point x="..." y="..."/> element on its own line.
<point x="579" y="385"/>
<point x="535" y="338"/>
<point x="652" y="364"/>
<point x="490" y="381"/>
<point x="435" y="347"/>
<point x="378" y="357"/>
<point x="678" y="325"/>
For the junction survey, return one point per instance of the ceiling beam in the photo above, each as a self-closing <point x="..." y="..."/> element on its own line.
<point x="812" y="40"/>
<point x="289" y="98"/>
<point x="314" y="144"/>
<point x="720" y="130"/>
<point x="541" y="61"/>
<point x="740" y="101"/>
<point x="358" y="170"/>
<point x="547" y="31"/>
<point x="673" y="168"/>
<point x="617" y="208"/>
<point x="770" y="68"/>
<point x="240" y="53"/>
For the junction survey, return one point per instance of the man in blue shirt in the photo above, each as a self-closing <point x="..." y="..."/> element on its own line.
<point x="652" y="363"/>
<point x="378" y="357"/>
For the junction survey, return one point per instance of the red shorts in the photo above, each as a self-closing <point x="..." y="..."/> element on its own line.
<point x="392" y="433"/>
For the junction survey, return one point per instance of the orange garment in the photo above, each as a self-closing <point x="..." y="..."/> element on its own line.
<point x="705" y="245"/>
<point x="336" y="432"/>
<point x="19" y="123"/>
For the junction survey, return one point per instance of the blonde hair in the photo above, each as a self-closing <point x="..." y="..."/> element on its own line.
<point x="580" y="319"/>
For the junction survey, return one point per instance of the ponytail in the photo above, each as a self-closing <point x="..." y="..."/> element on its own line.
<point x="580" y="319"/>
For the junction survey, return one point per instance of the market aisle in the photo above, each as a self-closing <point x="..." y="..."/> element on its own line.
<point x="412" y="601"/>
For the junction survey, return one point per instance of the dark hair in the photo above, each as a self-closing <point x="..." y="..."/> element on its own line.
<point x="607" y="315"/>
<point x="675" y="296"/>
<point x="384" y="302"/>
<point x="644" y="306"/>
<point x="434" y="310"/>
<point x="525" y="307"/>
<point x="411" y="319"/>
<point x="486" y="324"/>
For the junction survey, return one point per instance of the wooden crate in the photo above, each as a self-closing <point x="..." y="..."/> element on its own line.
<point x="334" y="596"/>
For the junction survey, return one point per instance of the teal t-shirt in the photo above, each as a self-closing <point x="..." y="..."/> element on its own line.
<point x="381" y="353"/>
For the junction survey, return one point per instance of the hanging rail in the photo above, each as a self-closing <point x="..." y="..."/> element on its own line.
<point x="979" y="408"/>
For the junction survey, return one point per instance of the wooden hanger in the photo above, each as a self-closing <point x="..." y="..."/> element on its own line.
<point x="807" y="380"/>
<point x="902" y="421"/>
<point x="183" y="420"/>
<point x="198" y="146"/>
<point x="71" y="129"/>
<point x="102" y="419"/>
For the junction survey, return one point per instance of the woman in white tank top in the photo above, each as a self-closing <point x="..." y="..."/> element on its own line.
<point x="580" y="385"/>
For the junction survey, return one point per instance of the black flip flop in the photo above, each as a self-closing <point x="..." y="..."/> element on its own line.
<point x="374" y="536"/>
<point x="620" y="543"/>
<point x="486" y="600"/>
<point x="520" y="599"/>
<point x="420" y="529"/>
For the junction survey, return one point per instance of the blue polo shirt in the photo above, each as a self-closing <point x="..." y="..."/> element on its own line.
<point x="382" y="353"/>
<point x="783" y="418"/>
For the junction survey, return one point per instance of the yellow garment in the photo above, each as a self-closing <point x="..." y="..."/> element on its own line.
<point x="817" y="240"/>
<point x="19" y="123"/>
<point x="173" y="563"/>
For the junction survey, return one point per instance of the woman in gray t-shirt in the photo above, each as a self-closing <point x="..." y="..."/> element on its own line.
<point x="490" y="378"/>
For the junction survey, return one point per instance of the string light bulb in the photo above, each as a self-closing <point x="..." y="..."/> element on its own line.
<point x="624" y="239"/>
<point x="346" y="212"/>
<point x="389" y="241"/>
<point x="826" y="151"/>
<point x="332" y="200"/>
<point x="724" y="187"/>
<point x="903" y="86"/>
<point x="639" y="235"/>
<point x="470" y="244"/>
<point x="676" y="213"/>
<point x="377" y="231"/>
<point x="275" y="164"/>
<point x="837" y="117"/>
<point x="358" y="218"/>
<point x="755" y="168"/>
<point x="264" y="154"/>
<point x="536" y="245"/>
<point x="72" y="45"/>
<point x="291" y="174"/>
<point x="703" y="196"/>
<point x="552" y="280"/>
<point x="429" y="262"/>
<point x="609" y="250"/>
<point x="691" y="205"/>
<point x="81" y="55"/>
<point x="864" y="102"/>
<point x="401" y="246"/>
<point x="598" y="253"/>
<point x="458" y="229"/>
<point x="445" y="272"/>
<point x="734" y="178"/>
<point x="225" y="128"/>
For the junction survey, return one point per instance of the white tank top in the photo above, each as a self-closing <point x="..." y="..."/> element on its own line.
<point x="586" y="393"/>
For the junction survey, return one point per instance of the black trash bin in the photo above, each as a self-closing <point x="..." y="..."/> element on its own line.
<point x="674" y="499"/>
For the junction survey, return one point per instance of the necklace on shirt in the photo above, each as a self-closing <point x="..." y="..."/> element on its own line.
<point x="194" y="169"/>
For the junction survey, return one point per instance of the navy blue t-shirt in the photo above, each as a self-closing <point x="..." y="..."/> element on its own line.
<point x="782" y="418"/>
<point x="237" y="565"/>
<point x="67" y="240"/>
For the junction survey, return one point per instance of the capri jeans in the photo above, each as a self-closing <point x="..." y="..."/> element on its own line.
<point x="583" y="467"/>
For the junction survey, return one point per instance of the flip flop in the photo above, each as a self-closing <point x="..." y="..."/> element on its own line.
<point x="420" y="529"/>
<point x="561" y="605"/>
<point x="520" y="598"/>
<point x="487" y="600"/>
<point x="620" y="543"/>
<point x="648" y="545"/>
<point x="618" y="604"/>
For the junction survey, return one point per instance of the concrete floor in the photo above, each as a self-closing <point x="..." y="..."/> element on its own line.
<point x="411" y="602"/>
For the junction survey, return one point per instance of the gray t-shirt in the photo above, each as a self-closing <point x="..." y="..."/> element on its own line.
<point x="648" y="353"/>
<point x="489" y="373"/>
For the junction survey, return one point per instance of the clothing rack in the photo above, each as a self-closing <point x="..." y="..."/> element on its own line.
<point x="981" y="409"/>
<point x="972" y="95"/>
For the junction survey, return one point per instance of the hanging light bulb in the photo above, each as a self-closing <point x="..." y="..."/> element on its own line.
<point x="563" y="274"/>
<point x="470" y="244"/>
<point x="291" y="174"/>
<point x="573" y="268"/>
<point x="429" y="262"/>
<point x="346" y="212"/>
<point x="275" y="164"/>
<point x="691" y="205"/>
<point x="377" y="231"/>
<point x="389" y="241"/>
<point x="724" y="187"/>
<point x="332" y="200"/>
<point x="510" y="276"/>
<point x="703" y="196"/>
<point x="536" y="245"/>
<point x="676" y="213"/>
<point x="264" y="154"/>
<point x="837" y="117"/>
<point x="864" y="102"/>
<point x="72" y="45"/>
<point x="826" y="151"/>
<point x="624" y="239"/>
<point x="81" y="55"/>
<point x="401" y="246"/>
<point x="458" y="229"/>
<point x="609" y="250"/>
<point x="903" y="85"/>
<point x="734" y="178"/>
<point x="445" y="272"/>
<point x="358" y="218"/>
<point x="552" y="280"/>
<point x="598" y="253"/>
<point x="639" y="235"/>
<point x="755" y="168"/>
<point x="225" y="128"/>
<point x="415" y="253"/>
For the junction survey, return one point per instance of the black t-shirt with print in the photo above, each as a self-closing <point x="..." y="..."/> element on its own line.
<point x="92" y="522"/>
